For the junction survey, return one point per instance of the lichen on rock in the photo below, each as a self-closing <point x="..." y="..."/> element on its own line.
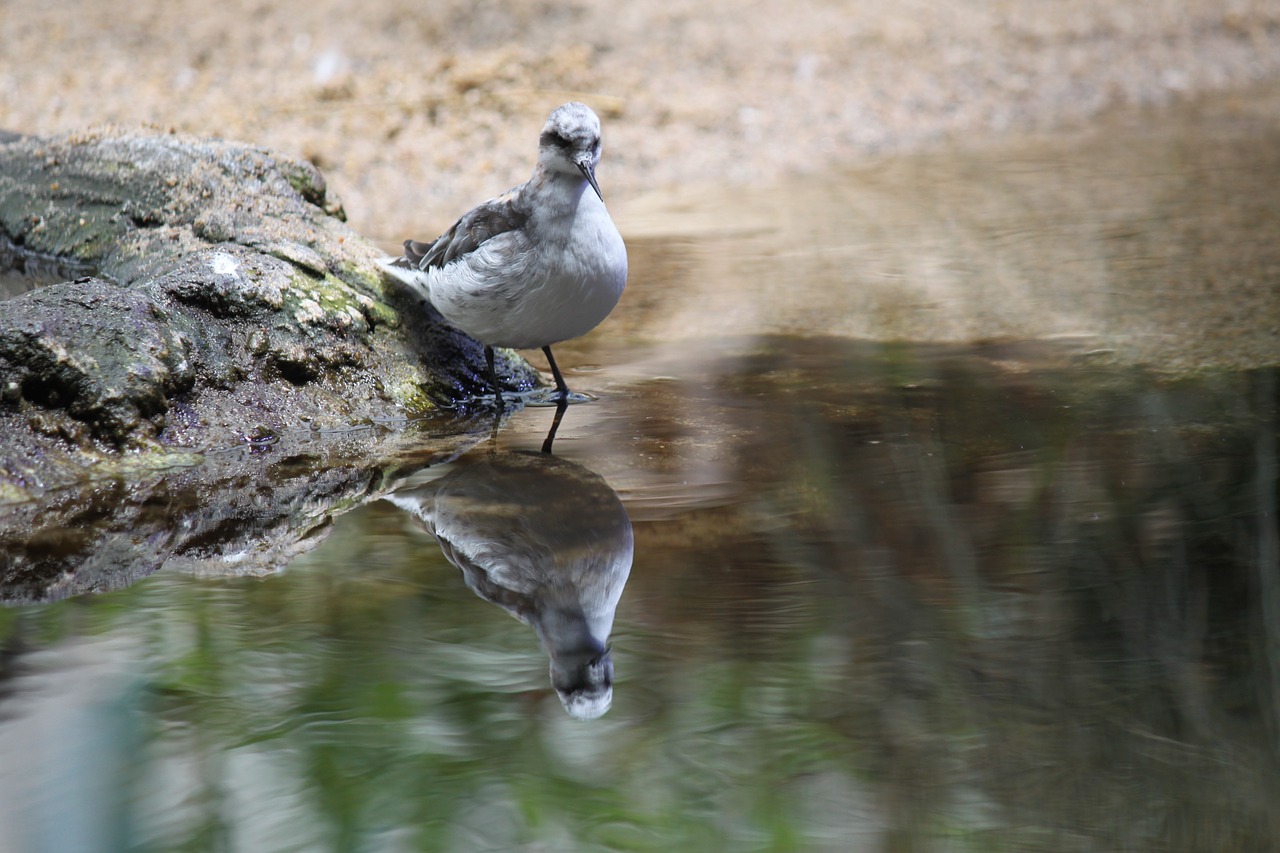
<point x="228" y="288"/>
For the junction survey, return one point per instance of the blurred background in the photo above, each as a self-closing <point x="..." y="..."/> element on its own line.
<point x="416" y="111"/>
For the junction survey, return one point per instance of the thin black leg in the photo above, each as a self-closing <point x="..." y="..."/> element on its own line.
<point x="493" y="376"/>
<point x="562" y="390"/>
<point x="555" y="424"/>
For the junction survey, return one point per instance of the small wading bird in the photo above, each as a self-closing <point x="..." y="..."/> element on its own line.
<point x="540" y="264"/>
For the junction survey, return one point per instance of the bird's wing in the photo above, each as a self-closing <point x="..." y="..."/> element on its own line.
<point x="496" y="216"/>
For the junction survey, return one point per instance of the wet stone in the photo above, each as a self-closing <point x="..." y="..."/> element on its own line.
<point x="221" y="267"/>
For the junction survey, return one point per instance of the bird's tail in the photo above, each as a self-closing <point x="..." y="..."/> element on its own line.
<point x="404" y="271"/>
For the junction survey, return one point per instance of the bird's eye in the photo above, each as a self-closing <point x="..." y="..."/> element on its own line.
<point x="553" y="137"/>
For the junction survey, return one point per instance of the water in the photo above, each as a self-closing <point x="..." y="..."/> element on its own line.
<point x="857" y="594"/>
<point x="21" y="272"/>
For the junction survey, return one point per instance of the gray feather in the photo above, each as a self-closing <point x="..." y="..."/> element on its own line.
<point x="496" y="216"/>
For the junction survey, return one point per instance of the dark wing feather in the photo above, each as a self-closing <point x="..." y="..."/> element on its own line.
<point x="519" y="604"/>
<point x="496" y="216"/>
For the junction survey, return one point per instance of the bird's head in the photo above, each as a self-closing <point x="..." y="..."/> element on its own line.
<point x="570" y="142"/>
<point x="584" y="683"/>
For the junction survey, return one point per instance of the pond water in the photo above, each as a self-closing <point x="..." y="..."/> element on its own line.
<point x="21" y="271"/>
<point x="818" y="591"/>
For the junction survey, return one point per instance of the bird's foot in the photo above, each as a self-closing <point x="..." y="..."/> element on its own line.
<point x="542" y="398"/>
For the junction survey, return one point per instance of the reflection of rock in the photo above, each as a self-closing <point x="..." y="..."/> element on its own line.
<point x="548" y="541"/>
<point x="245" y="510"/>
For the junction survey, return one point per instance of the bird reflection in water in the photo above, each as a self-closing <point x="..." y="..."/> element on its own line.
<point x="549" y="542"/>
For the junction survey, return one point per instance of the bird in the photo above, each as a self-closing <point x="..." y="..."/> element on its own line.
<point x="547" y="540"/>
<point x="537" y="265"/>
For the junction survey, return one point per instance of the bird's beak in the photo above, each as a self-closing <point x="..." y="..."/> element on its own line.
<point x="589" y="172"/>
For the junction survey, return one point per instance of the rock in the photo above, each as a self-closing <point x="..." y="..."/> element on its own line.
<point x="229" y="298"/>
<point x="109" y="357"/>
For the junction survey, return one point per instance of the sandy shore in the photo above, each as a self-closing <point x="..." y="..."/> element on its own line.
<point x="416" y="115"/>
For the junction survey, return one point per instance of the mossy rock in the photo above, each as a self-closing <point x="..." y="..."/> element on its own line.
<point x="228" y="294"/>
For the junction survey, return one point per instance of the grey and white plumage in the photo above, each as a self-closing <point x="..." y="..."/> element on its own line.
<point x="538" y="265"/>
<point x="549" y="542"/>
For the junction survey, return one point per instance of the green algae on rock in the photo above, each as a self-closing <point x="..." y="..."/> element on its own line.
<point x="228" y="291"/>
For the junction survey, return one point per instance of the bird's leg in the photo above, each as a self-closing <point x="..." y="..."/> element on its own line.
<point x="493" y="376"/>
<point x="562" y="390"/>
<point x="555" y="424"/>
